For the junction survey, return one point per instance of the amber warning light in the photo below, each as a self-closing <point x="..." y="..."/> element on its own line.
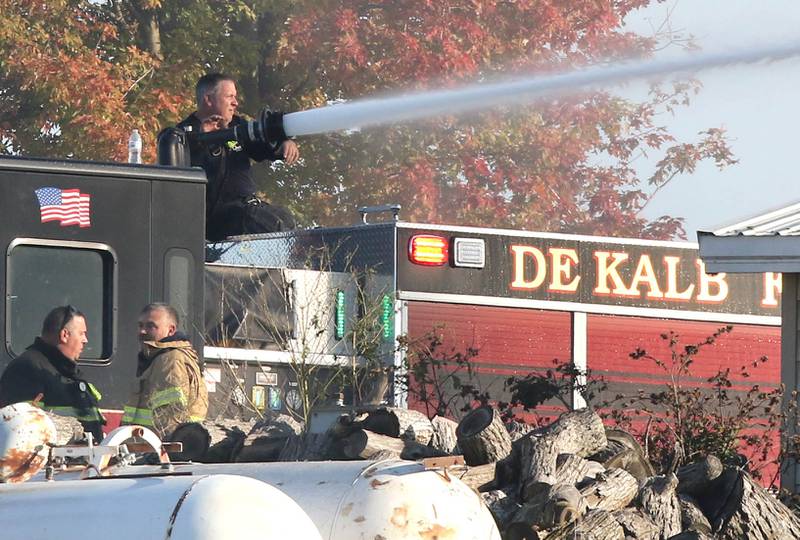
<point x="428" y="249"/>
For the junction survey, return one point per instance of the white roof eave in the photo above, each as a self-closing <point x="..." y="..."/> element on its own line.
<point x="748" y="253"/>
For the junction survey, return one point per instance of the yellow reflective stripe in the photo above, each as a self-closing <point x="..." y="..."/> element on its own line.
<point x="134" y="411"/>
<point x="141" y="422"/>
<point x="196" y="418"/>
<point x="95" y="392"/>
<point x="137" y="416"/>
<point x="167" y="397"/>
<point x="93" y="416"/>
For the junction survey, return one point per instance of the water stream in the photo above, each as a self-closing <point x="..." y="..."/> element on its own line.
<point x="366" y="112"/>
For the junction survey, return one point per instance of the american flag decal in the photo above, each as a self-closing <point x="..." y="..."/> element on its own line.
<point x="67" y="206"/>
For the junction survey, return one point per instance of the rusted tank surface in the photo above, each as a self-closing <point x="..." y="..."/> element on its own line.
<point x="191" y="507"/>
<point x="354" y="500"/>
<point x="25" y="432"/>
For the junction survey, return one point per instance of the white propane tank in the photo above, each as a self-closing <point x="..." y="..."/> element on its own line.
<point x="151" y="508"/>
<point x="354" y="500"/>
<point x="25" y="432"/>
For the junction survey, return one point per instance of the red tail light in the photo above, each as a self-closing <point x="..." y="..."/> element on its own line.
<point x="428" y="249"/>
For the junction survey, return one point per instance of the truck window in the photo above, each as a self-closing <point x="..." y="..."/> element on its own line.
<point x="44" y="274"/>
<point x="178" y="282"/>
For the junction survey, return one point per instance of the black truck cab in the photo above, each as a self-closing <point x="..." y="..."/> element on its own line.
<point x="108" y="239"/>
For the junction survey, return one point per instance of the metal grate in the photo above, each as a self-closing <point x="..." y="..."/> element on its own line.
<point x="369" y="246"/>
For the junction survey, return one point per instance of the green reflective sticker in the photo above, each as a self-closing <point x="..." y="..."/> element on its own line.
<point x="340" y="314"/>
<point x="386" y="316"/>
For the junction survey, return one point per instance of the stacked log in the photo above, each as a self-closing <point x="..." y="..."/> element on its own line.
<point x="267" y="439"/>
<point x="482" y="437"/>
<point x="210" y="441"/>
<point x="444" y="435"/>
<point x="578" y="432"/>
<point x="68" y="429"/>
<point x="405" y="424"/>
<point x="365" y="444"/>
<point x="391" y="433"/>
<point x="574" y="478"/>
<point x="571" y="479"/>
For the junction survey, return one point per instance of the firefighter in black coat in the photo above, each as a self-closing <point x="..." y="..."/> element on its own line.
<point x="232" y="207"/>
<point x="47" y="374"/>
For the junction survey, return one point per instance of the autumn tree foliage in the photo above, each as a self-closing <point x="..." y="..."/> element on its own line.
<point x="88" y="72"/>
<point x="71" y="87"/>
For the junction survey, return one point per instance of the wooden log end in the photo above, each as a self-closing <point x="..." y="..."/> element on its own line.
<point x="195" y="440"/>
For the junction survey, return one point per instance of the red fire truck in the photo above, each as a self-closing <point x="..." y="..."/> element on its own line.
<point x="522" y="299"/>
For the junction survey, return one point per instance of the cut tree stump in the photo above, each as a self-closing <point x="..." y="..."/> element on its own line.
<point x="363" y="444"/>
<point x="480" y="477"/>
<point x="636" y="524"/>
<point x="209" y="441"/>
<point x="306" y="447"/>
<point x="747" y="510"/>
<point x="482" y="437"/>
<point x="560" y="505"/>
<point x="517" y="430"/>
<point x="406" y="424"/>
<point x="444" y="435"/>
<point x="345" y="425"/>
<point x="576" y="432"/>
<point x="613" y="490"/>
<point x="595" y="525"/>
<point x="658" y="499"/>
<point x="571" y="469"/>
<point x="564" y="504"/>
<point x="382" y="455"/>
<point x="68" y="429"/>
<point x="501" y="506"/>
<point x="414" y="451"/>
<point x="623" y="451"/>
<point x="267" y="439"/>
<point x="694" y="478"/>
<point x="507" y="471"/>
<point x="692" y="518"/>
<point x="194" y="438"/>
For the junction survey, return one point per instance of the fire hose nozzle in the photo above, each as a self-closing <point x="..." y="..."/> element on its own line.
<point x="272" y="125"/>
<point x="266" y="129"/>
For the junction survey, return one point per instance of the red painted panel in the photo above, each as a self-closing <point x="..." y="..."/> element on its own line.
<point x="113" y="419"/>
<point x="509" y="340"/>
<point x="611" y="339"/>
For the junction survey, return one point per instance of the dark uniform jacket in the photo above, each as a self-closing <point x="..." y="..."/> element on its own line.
<point x="230" y="180"/>
<point x="42" y="369"/>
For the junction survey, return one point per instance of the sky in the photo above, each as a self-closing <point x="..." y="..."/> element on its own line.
<point x="756" y="104"/>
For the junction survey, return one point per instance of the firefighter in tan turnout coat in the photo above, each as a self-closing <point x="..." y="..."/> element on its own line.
<point x="169" y="388"/>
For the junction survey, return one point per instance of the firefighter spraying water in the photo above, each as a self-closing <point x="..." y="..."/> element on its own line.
<point x="273" y="126"/>
<point x="154" y="258"/>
